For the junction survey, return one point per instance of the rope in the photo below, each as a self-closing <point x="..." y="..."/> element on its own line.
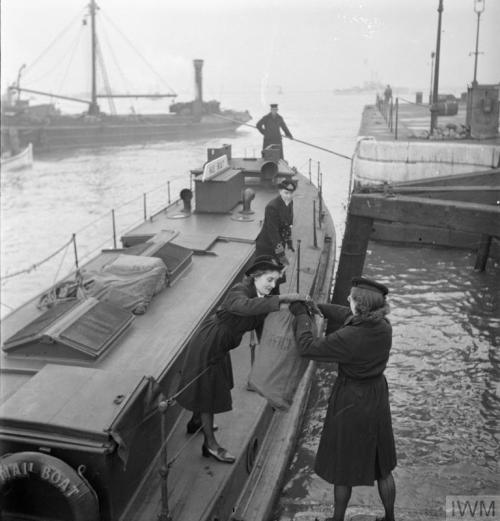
<point x="54" y="41"/>
<point x="137" y="52"/>
<point x="60" y="265"/>
<point x="292" y="139"/>
<point x="37" y="264"/>
<point x="413" y="103"/>
<point x="70" y="60"/>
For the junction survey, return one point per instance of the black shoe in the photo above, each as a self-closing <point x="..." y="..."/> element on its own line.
<point x="220" y="454"/>
<point x="194" y="426"/>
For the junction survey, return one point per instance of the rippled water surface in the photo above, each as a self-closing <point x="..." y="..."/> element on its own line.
<point x="444" y="368"/>
<point x="444" y="381"/>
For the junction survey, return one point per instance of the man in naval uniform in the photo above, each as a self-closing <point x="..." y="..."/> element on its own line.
<point x="270" y="125"/>
<point x="276" y="233"/>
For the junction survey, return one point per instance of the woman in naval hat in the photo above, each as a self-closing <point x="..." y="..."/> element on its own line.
<point x="207" y="377"/>
<point x="357" y="443"/>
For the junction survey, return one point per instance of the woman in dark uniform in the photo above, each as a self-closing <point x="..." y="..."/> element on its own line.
<point x="207" y="377"/>
<point x="357" y="442"/>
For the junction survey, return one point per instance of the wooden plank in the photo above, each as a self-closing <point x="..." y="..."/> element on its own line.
<point x="484" y="177"/>
<point x="470" y="194"/>
<point x="454" y="215"/>
<point x="352" y="256"/>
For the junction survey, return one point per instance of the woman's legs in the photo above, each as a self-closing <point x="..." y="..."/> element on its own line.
<point x="207" y="420"/>
<point x="342" y="494"/>
<point x="387" y="492"/>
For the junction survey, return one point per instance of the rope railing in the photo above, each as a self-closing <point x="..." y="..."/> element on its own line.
<point x="158" y="198"/>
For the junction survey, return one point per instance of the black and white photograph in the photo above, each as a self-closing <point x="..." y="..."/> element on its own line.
<point x="250" y="260"/>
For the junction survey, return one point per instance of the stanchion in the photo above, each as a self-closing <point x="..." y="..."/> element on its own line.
<point x="145" y="209"/>
<point x="75" y="250"/>
<point x="164" y="515"/>
<point x="168" y="189"/>
<point x="114" y="228"/>
<point x="298" y="266"/>
<point x="315" y="237"/>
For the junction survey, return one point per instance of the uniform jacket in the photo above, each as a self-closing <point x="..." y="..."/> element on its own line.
<point x="357" y="443"/>
<point x="209" y="349"/>
<point x="277" y="228"/>
<point x="269" y="126"/>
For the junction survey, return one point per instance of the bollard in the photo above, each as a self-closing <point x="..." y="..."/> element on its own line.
<point x="114" y="228"/>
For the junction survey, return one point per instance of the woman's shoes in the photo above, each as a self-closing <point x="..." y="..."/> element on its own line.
<point x="220" y="454"/>
<point x="195" y="426"/>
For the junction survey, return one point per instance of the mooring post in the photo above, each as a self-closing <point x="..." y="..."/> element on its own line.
<point x="114" y="227"/>
<point x="75" y="250"/>
<point x="482" y="253"/>
<point x="352" y="256"/>
<point x="298" y="265"/>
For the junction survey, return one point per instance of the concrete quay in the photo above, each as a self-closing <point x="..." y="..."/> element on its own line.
<point x="413" y="124"/>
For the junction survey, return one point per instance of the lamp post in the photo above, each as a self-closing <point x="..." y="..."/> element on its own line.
<point x="478" y="9"/>
<point x="435" y="91"/>
<point x="433" y="55"/>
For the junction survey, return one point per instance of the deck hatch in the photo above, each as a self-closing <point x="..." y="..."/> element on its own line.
<point x="175" y="257"/>
<point x="83" y="330"/>
<point x="96" y="329"/>
<point x="34" y="330"/>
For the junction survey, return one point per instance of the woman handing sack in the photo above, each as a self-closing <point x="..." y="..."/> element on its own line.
<point x="207" y="376"/>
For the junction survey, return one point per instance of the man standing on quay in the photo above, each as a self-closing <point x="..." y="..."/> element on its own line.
<point x="270" y="125"/>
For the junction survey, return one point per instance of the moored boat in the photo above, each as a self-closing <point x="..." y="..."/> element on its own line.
<point x="49" y="130"/>
<point x="24" y="159"/>
<point x="89" y="425"/>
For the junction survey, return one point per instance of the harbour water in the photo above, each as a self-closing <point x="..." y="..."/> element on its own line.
<point x="444" y="370"/>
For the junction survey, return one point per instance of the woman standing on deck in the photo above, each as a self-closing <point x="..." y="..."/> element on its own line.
<point x="207" y="377"/>
<point x="357" y="442"/>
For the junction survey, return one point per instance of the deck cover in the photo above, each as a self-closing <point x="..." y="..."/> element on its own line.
<point x="80" y="405"/>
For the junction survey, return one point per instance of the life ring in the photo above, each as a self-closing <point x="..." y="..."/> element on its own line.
<point x="77" y="492"/>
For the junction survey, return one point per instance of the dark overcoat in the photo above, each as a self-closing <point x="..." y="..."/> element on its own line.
<point x="269" y="126"/>
<point x="208" y="350"/>
<point x="357" y="442"/>
<point x="276" y="229"/>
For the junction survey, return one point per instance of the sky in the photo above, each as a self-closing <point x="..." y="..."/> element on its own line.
<point x="300" y="45"/>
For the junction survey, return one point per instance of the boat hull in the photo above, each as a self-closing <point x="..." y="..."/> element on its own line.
<point x="19" y="161"/>
<point x="66" y="133"/>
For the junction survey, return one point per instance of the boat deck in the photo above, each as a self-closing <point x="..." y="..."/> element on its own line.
<point x="223" y="245"/>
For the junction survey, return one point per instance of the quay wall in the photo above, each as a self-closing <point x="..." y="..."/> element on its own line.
<point x="398" y="161"/>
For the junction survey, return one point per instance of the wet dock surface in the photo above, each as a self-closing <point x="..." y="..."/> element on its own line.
<point x="413" y="123"/>
<point x="444" y="382"/>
